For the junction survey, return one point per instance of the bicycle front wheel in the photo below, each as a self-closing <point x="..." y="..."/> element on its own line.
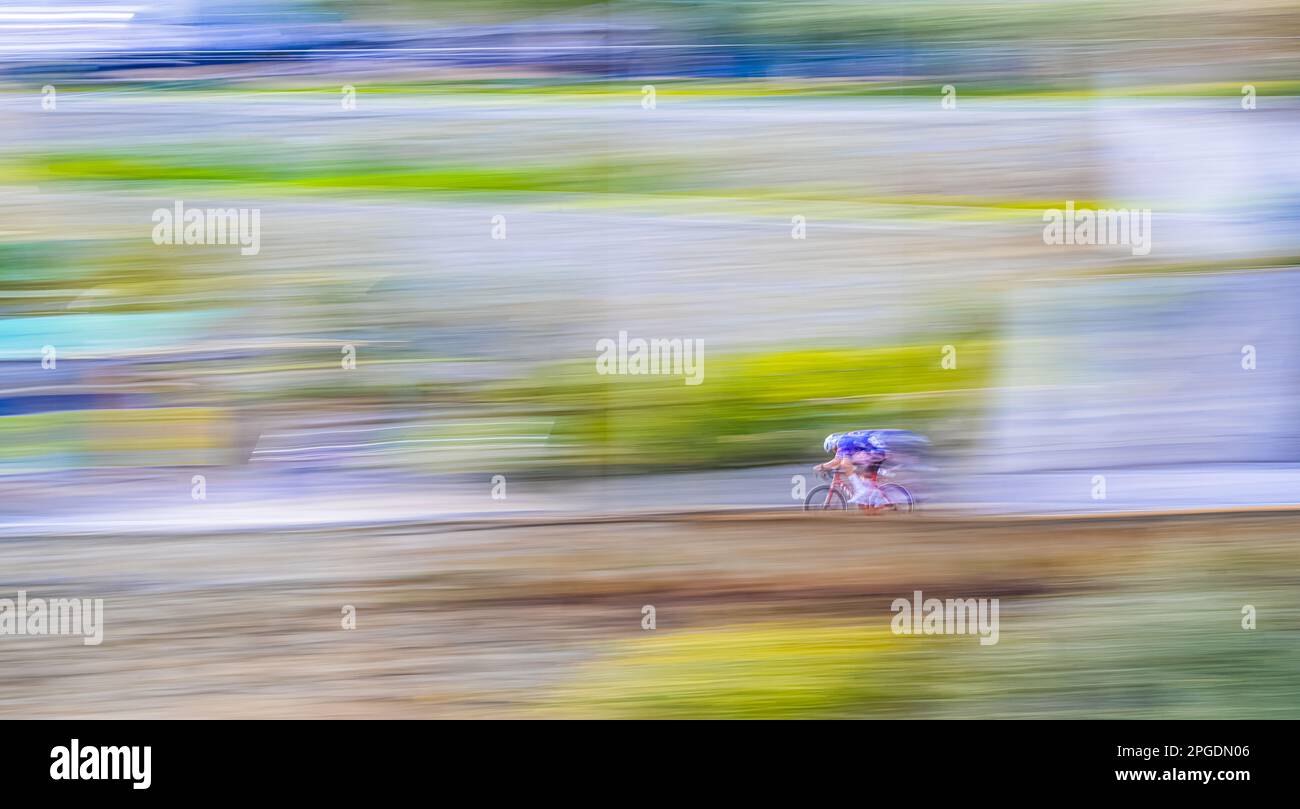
<point x="825" y="498"/>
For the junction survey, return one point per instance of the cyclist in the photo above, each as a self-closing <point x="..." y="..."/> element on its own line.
<point x="857" y="454"/>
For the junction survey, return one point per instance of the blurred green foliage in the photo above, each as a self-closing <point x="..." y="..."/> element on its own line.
<point x="751" y="409"/>
<point x="163" y="436"/>
<point x="1155" y="652"/>
<point x="296" y="175"/>
<point x="759" y="671"/>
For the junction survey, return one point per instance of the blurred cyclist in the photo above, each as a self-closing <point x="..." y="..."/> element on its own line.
<point x="857" y="455"/>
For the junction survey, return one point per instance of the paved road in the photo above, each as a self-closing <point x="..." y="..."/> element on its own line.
<point x="239" y="500"/>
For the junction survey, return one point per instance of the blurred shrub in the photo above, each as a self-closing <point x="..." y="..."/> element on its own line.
<point x="759" y="671"/>
<point x="753" y="408"/>
<point x="163" y="436"/>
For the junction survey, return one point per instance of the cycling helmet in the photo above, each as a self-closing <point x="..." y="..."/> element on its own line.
<point x="832" y="442"/>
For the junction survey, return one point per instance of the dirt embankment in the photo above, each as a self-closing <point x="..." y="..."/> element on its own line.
<point x="489" y="618"/>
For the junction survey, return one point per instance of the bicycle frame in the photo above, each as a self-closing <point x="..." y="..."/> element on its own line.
<point x="839" y="482"/>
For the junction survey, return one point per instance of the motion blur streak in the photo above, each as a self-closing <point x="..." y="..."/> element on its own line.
<point x="845" y="207"/>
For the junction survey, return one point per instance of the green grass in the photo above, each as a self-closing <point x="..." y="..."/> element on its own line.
<point x="590" y="177"/>
<point x="1163" y="652"/>
<point x="757" y="671"/>
<point x="751" y="408"/>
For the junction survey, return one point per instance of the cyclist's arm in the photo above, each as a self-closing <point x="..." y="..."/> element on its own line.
<point x="840" y="461"/>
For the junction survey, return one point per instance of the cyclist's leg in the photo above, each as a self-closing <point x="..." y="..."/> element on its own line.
<point x="866" y="492"/>
<point x="858" y="488"/>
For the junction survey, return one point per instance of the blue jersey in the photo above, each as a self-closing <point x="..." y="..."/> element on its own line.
<point x="861" y="441"/>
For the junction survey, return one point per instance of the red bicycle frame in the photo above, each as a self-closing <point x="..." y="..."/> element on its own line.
<point x="840" y="484"/>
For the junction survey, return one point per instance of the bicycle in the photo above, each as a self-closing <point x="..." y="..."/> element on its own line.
<point x="835" y="495"/>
